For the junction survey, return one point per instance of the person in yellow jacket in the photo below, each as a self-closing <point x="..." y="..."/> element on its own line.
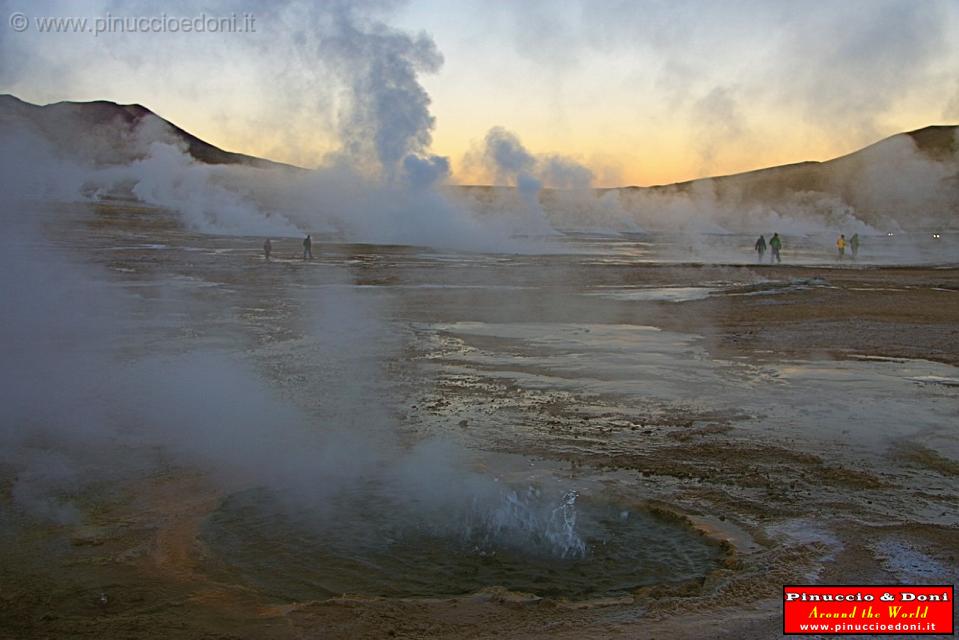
<point x="841" y="245"/>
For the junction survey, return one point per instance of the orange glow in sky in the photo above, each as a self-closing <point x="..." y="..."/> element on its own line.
<point x="641" y="93"/>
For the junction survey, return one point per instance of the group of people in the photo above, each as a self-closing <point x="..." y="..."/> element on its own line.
<point x="776" y="244"/>
<point x="853" y="245"/>
<point x="307" y="248"/>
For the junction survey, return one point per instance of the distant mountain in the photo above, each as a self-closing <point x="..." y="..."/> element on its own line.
<point x="910" y="178"/>
<point x="937" y="143"/>
<point x="109" y="133"/>
<point x="907" y="180"/>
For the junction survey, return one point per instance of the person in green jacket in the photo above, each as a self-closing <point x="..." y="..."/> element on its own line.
<point x="775" y="244"/>
<point x="854" y="245"/>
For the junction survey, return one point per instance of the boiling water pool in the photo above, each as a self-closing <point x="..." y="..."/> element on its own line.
<point x="390" y="552"/>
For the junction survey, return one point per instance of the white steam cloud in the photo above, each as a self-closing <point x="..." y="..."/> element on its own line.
<point x="84" y="402"/>
<point x="385" y="116"/>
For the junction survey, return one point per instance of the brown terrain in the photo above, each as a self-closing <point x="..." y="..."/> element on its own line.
<point x="135" y="566"/>
<point x="797" y="416"/>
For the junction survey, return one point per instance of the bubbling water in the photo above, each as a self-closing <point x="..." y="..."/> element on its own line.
<point x="521" y="521"/>
<point x="530" y="540"/>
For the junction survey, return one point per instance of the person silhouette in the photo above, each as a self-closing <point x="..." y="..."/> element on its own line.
<point x="775" y="243"/>
<point x="761" y="248"/>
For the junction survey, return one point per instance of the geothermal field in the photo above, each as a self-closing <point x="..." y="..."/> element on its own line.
<point x="390" y="440"/>
<point x="365" y="399"/>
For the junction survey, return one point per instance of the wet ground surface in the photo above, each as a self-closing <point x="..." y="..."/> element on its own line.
<point x="801" y="417"/>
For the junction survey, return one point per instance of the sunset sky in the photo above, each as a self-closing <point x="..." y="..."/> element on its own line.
<point x="639" y="92"/>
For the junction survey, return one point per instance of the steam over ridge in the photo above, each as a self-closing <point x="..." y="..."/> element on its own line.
<point x="385" y="123"/>
<point x="380" y="186"/>
<point x="383" y="183"/>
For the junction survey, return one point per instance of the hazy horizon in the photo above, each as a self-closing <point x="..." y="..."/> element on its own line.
<point x="630" y="93"/>
<point x="491" y="182"/>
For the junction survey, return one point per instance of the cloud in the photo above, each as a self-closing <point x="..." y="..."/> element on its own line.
<point x="386" y="114"/>
<point x="336" y="77"/>
<point x="565" y="173"/>
<point x="951" y="111"/>
<point x="717" y="121"/>
<point x="847" y="64"/>
<point x="813" y="75"/>
<point x="506" y="154"/>
<point x="330" y="74"/>
<point x="507" y="161"/>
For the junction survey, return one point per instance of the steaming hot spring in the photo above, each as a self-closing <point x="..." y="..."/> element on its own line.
<point x="380" y="545"/>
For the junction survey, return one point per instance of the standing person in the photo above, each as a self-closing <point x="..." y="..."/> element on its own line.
<point x="841" y="245"/>
<point x="854" y="245"/>
<point x="761" y="248"/>
<point x="267" y="249"/>
<point x="308" y="247"/>
<point x="775" y="244"/>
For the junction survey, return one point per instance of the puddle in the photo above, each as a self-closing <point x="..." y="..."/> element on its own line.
<point x="949" y="382"/>
<point x="138" y="247"/>
<point x="910" y="565"/>
<point x="863" y="404"/>
<point x="774" y="288"/>
<point x="656" y="294"/>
